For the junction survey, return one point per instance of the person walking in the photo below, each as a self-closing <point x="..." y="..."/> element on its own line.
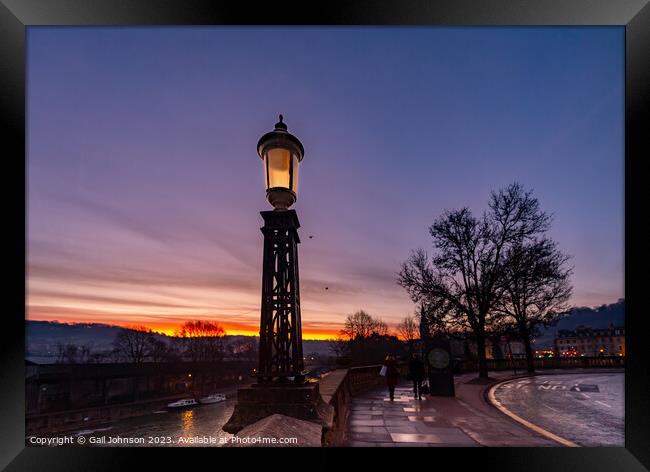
<point x="391" y="375"/>
<point x="416" y="374"/>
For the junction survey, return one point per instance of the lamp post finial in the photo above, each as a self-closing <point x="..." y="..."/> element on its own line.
<point x="281" y="125"/>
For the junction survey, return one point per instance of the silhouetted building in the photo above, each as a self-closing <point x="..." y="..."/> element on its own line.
<point x="590" y="342"/>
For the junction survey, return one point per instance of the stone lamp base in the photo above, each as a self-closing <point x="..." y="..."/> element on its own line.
<point x="301" y="401"/>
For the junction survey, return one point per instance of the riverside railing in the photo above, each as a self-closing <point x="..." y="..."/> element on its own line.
<point x="471" y="365"/>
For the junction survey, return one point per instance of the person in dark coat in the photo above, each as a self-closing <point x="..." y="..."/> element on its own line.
<point x="391" y="375"/>
<point x="416" y="374"/>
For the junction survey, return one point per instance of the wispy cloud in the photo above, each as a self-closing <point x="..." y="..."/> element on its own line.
<point x="143" y="203"/>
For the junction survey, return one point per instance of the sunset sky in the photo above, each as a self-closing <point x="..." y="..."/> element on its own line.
<point x="144" y="186"/>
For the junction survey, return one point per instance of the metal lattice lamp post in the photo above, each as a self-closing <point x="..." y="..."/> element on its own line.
<point x="281" y="387"/>
<point x="280" y="346"/>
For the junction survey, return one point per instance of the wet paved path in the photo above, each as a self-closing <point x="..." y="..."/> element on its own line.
<point x="464" y="421"/>
<point x="587" y="409"/>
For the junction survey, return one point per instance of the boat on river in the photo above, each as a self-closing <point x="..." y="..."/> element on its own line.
<point x="214" y="398"/>
<point x="183" y="403"/>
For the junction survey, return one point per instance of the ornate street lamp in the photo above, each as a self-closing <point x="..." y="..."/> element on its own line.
<point x="280" y="347"/>
<point x="281" y="386"/>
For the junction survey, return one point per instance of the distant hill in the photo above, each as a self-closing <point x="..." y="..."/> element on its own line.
<point x="42" y="338"/>
<point x="313" y="346"/>
<point x="600" y="317"/>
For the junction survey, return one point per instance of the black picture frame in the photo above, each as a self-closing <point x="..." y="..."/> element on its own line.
<point x="633" y="15"/>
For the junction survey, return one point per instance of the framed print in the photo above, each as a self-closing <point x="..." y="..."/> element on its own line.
<point x="412" y="227"/>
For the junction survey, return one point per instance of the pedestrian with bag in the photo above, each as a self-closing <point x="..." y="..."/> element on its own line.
<point x="389" y="370"/>
<point x="416" y="374"/>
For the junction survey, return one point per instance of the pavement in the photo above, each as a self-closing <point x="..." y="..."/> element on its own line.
<point x="462" y="421"/>
<point x="585" y="409"/>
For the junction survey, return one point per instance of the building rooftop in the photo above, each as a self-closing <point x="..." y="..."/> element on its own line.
<point x="587" y="332"/>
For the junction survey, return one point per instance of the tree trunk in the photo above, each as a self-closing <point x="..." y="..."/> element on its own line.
<point x="530" y="360"/>
<point x="482" y="361"/>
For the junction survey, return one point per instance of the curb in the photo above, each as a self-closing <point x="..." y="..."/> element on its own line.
<point x="491" y="399"/>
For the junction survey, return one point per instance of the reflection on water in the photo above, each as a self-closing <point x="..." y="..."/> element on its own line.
<point x="188" y="421"/>
<point x="165" y="428"/>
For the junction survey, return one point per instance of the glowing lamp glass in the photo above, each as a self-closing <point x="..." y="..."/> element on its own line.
<point x="281" y="169"/>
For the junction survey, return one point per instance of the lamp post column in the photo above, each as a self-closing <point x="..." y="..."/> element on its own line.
<point x="280" y="348"/>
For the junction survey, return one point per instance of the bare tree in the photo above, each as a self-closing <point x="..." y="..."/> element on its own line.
<point x="60" y="353"/>
<point x="366" y="339"/>
<point x="359" y="325"/>
<point x="381" y="328"/>
<point x="408" y="330"/>
<point x="203" y="340"/>
<point x="133" y="344"/>
<point x="339" y="346"/>
<point x="67" y="353"/>
<point x="460" y="284"/>
<point x="98" y="357"/>
<point x="84" y="354"/>
<point x="72" y="354"/>
<point x="536" y="288"/>
<point x="160" y="351"/>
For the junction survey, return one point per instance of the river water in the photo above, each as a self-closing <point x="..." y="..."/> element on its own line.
<point x="197" y="426"/>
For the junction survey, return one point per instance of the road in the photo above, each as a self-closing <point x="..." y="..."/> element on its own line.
<point x="587" y="409"/>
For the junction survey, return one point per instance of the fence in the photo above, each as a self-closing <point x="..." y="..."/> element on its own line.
<point x="471" y="365"/>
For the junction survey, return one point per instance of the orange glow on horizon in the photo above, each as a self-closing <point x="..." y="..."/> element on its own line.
<point x="231" y="329"/>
